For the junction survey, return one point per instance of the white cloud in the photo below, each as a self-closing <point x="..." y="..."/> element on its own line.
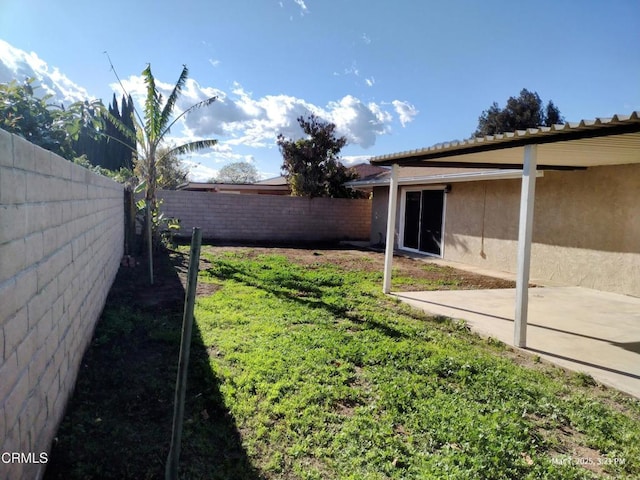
<point x="366" y="39"/>
<point x="134" y="86"/>
<point x="360" y="123"/>
<point x="214" y="63"/>
<point x="16" y="64"/>
<point x="302" y="5"/>
<point x="241" y="122"/>
<point x="352" y="70"/>
<point x="351" y="160"/>
<point x="238" y="118"/>
<point x="406" y="112"/>
<point x="370" y="81"/>
<point x="263" y="175"/>
<point x="199" y="172"/>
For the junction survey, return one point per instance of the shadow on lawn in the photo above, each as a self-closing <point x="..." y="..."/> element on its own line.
<point x="118" y="423"/>
<point x="298" y="288"/>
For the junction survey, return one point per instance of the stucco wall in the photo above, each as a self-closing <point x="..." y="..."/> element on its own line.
<point x="482" y="223"/>
<point x="379" y="213"/>
<point x="586" y="227"/>
<point x="270" y="218"/>
<point x="61" y="240"/>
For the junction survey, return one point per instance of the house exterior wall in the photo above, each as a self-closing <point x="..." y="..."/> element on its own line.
<point x="268" y="218"/>
<point x="61" y="241"/>
<point x="482" y="223"/>
<point x="586" y="227"/>
<point x="379" y="213"/>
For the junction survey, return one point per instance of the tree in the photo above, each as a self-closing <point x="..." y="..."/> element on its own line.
<point x="49" y="126"/>
<point x="150" y="134"/>
<point x="552" y="115"/>
<point x="311" y="165"/>
<point x="101" y="141"/>
<point x="171" y="172"/>
<point x="237" y="172"/>
<point x="78" y="132"/>
<point x="525" y="111"/>
<point x="118" y="153"/>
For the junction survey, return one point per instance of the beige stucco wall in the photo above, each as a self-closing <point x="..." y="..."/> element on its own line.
<point x="481" y="223"/>
<point x="586" y="227"/>
<point x="61" y="240"/>
<point x="379" y="211"/>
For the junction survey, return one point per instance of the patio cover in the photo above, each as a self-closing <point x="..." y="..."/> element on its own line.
<point x="588" y="143"/>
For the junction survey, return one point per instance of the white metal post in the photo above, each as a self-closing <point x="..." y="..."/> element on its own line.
<point x="391" y="228"/>
<point x="527" y="198"/>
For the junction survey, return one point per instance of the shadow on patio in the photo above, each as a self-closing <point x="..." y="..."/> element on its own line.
<point x="577" y="328"/>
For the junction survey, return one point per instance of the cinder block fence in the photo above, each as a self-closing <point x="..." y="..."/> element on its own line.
<point x="268" y="218"/>
<point x="61" y="241"/>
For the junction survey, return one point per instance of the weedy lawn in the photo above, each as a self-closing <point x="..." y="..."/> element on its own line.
<point x="326" y="377"/>
<point x="301" y="369"/>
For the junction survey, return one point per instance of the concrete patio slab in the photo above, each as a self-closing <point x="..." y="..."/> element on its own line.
<point x="577" y="328"/>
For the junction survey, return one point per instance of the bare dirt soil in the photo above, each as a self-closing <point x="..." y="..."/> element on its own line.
<point x="420" y="268"/>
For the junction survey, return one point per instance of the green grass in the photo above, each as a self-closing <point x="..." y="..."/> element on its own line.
<point x="306" y="371"/>
<point x="118" y="423"/>
<point x="327" y="378"/>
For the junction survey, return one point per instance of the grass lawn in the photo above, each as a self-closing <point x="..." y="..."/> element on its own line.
<point x="302" y="369"/>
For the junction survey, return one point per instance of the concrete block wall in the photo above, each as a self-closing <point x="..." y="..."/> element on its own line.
<point x="61" y="241"/>
<point x="268" y="218"/>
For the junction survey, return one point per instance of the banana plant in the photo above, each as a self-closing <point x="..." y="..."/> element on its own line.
<point x="150" y="133"/>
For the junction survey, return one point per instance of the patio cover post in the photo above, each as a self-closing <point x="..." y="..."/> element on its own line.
<point x="527" y="198"/>
<point x="391" y="228"/>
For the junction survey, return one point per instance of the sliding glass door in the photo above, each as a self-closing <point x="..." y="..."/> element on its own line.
<point x="423" y="214"/>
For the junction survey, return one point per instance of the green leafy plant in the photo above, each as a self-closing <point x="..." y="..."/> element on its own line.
<point x="150" y="133"/>
<point x="311" y="165"/>
<point x="303" y="369"/>
<point x="164" y="229"/>
<point x="314" y="362"/>
<point x="48" y="125"/>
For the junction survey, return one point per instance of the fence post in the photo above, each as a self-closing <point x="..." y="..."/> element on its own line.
<point x="171" y="469"/>
<point x="148" y="213"/>
<point x="129" y="222"/>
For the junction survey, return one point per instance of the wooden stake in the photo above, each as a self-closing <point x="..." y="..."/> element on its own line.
<point x="171" y="469"/>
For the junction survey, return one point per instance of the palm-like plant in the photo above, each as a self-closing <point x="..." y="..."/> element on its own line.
<point x="150" y="134"/>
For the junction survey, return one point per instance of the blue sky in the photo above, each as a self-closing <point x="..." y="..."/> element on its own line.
<point x="393" y="76"/>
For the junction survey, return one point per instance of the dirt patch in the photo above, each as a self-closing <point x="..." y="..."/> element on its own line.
<point x="180" y="262"/>
<point x="572" y="450"/>
<point x="355" y="259"/>
<point x="166" y="293"/>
